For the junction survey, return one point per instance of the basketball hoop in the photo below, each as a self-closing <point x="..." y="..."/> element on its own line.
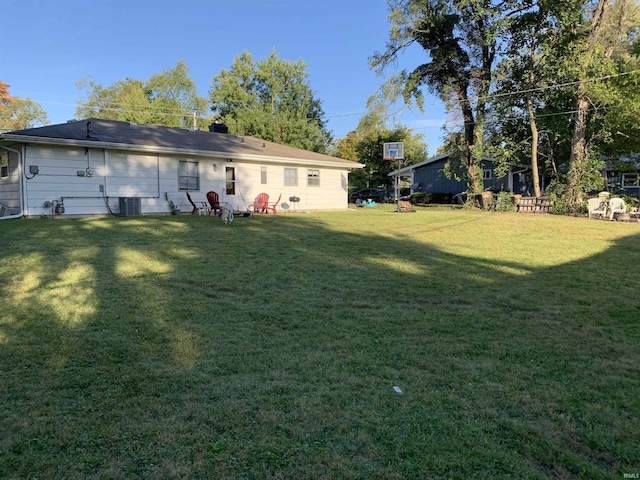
<point x="391" y="155"/>
<point x="393" y="151"/>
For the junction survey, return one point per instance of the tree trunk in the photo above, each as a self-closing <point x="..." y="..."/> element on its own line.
<point x="534" y="148"/>
<point x="579" y="140"/>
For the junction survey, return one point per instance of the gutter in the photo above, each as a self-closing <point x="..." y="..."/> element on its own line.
<point x="21" y="168"/>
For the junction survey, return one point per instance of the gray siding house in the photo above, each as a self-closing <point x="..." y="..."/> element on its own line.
<point x="89" y="166"/>
<point x="428" y="176"/>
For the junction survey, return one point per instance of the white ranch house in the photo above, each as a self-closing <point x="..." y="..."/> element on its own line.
<point x="95" y="166"/>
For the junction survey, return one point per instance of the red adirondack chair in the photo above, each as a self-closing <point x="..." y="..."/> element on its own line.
<point x="261" y="203"/>
<point x="195" y="207"/>
<point x="214" y="202"/>
<point x="273" y="206"/>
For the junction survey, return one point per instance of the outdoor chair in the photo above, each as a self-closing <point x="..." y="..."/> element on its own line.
<point x="616" y="205"/>
<point x="597" y="207"/>
<point x="196" y="208"/>
<point x="273" y="206"/>
<point x="261" y="203"/>
<point x="214" y="203"/>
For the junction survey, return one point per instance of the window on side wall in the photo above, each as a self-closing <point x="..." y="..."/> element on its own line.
<point x="313" y="178"/>
<point x="4" y="164"/>
<point x="263" y="175"/>
<point x="188" y="177"/>
<point x="290" y="177"/>
<point x="630" y="180"/>
<point x="486" y="174"/>
<point x="230" y="175"/>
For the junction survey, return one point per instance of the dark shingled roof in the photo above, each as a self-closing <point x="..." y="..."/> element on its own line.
<point x="125" y="135"/>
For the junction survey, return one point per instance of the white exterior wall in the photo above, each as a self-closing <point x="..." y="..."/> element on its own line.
<point x="10" y="186"/>
<point x="331" y="194"/>
<point x="154" y="179"/>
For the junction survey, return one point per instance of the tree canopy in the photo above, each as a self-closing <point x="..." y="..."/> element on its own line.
<point x="365" y="145"/>
<point x="167" y="98"/>
<point x="19" y="113"/>
<point x="270" y="99"/>
<point x="545" y="79"/>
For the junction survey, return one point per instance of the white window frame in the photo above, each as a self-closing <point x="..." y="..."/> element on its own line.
<point x="313" y="177"/>
<point x="635" y="184"/>
<point x="290" y="177"/>
<point x="486" y="174"/>
<point x="4" y="164"/>
<point x="230" y="180"/>
<point x="188" y="175"/>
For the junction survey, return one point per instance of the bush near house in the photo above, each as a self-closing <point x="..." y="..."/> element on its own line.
<point x="424" y="198"/>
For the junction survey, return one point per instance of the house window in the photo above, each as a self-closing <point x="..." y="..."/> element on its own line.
<point x="290" y="177"/>
<point x="486" y="174"/>
<point x="313" y="178"/>
<point x="188" y="177"/>
<point x="231" y="180"/>
<point x="263" y="175"/>
<point x="630" y="180"/>
<point x="4" y="164"/>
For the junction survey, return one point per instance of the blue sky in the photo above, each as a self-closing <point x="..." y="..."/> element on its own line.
<point x="49" y="45"/>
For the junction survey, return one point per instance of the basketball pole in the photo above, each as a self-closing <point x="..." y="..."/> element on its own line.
<point x="398" y="188"/>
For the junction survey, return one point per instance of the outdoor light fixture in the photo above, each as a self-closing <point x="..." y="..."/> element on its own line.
<point x="215" y="167"/>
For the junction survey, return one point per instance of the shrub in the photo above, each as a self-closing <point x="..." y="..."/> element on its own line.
<point x="506" y="202"/>
<point x="424" y="198"/>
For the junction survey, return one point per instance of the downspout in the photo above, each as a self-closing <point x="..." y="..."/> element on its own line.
<point x="21" y="169"/>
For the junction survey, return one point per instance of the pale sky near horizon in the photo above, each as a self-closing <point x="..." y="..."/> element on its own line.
<point x="51" y="45"/>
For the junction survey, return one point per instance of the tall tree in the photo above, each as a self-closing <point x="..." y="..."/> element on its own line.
<point x="365" y="145"/>
<point x="270" y="99"/>
<point x="460" y="40"/>
<point x="18" y="113"/>
<point x="523" y="80"/>
<point x="168" y="98"/>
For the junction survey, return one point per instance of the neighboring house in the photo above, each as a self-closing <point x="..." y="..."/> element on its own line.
<point x="88" y="166"/>
<point x="428" y="176"/>
<point x="624" y="175"/>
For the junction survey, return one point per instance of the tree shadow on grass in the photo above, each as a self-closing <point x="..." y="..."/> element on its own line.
<point x="181" y="348"/>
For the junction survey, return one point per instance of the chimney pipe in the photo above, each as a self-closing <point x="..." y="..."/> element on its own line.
<point x="218" y="128"/>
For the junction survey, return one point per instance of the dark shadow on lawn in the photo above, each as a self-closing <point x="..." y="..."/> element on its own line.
<point x="268" y="349"/>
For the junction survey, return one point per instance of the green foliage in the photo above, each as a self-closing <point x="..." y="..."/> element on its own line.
<point x="425" y="198"/>
<point x="167" y="98"/>
<point x="366" y="143"/>
<point x="19" y="113"/>
<point x="270" y="99"/>
<point x="505" y="202"/>
<point x="557" y="193"/>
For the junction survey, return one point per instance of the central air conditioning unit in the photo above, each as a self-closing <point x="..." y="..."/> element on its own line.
<point x="129" y="207"/>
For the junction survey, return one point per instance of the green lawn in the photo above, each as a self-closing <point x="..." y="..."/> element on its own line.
<point x="175" y="347"/>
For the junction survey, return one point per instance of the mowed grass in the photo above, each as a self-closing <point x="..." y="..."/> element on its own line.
<point x="175" y="347"/>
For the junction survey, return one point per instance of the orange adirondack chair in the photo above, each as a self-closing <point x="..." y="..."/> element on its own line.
<point x="261" y="203"/>
<point x="214" y="202"/>
<point x="273" y="206"/>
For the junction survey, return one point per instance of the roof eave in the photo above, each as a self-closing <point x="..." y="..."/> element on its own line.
<point x="217" y="154"/>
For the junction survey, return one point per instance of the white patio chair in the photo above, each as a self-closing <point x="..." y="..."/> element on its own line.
<point x="616" y="205"/>
<point x="597" y="207"/>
